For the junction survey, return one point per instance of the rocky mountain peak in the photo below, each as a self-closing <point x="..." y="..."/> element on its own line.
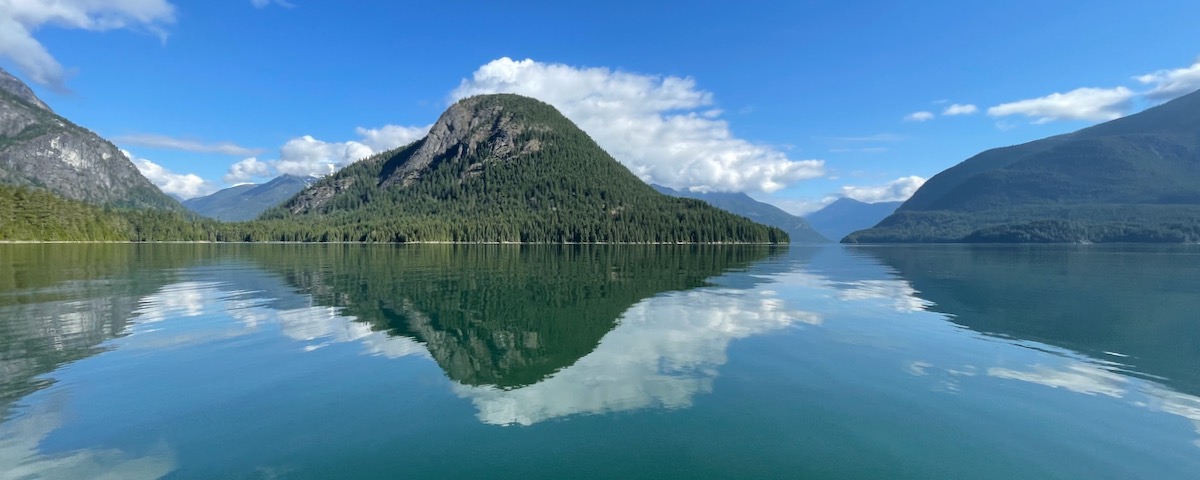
<point x="38" y="148"/>
<point x="483" y="121"/>
<point x="15" y="86"/>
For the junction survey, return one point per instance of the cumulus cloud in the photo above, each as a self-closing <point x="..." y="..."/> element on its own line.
<point x="187" y="145"/>
<point x="306" y="155"/>
<point x="20" y="18"/>
<point x="1092" y="104"/>
<point x="663" y="128"/>
<point x="246" y="171"/>
<point x="893" y="191"/>
<point x="960" y="109"/>
<point x="919" y="117"/>
<point x="182" y="185"/>
<point x="391" y="136"/>
<point x="1170" y="84"/>
<point x="309" y="156"/>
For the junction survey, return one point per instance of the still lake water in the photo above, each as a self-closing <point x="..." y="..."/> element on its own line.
<point x="349" y="361"/>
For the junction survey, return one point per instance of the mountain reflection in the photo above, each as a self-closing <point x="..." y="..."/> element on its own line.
<point x="58" y="303"/>
<point x="1120" y="322"/>
<point x="1132" y="305"/>
<point x="664" y="351"/>
<point x="500" y="316"/>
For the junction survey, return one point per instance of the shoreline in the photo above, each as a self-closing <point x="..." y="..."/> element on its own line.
<point x="205" y="242"/>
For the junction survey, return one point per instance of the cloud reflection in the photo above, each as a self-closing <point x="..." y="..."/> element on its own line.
<point x="314" y="326"/>
<point x="902" y="296"/>
<point x="664" y="351"/>
<point x="21" y="458"/>
<point x="1091" y="379"/>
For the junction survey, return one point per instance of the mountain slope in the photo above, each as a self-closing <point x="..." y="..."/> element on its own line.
<point x="507" y="168"/>
<point x="847" y="215"/>
<point x="246" y="202"/>
<point x="41" y="149"/>
<point x="741" y="204"/>
<point x="1132" y="179"/>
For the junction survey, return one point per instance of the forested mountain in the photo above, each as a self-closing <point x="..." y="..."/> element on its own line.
<point x="506" y="168"/>
<point x="38" y="148"/>
<point x="246" y="202"/>
<point x="846" y="215"/>
<point x="1134" y="179"/>
<point x="741" y="204"/>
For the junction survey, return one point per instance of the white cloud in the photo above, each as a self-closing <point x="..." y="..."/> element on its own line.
<point x="20" y="18"/>
<point x="309" y="156"/>
<point x="306" y="155"/>
<point x="1170" y="84"/>
<point x="662" y="128"/>
<point x="919" y="116"/>
<point x="960" y="109"/>
<point x="182" y="185"/>
<point x="391" y="136"/>
<point x="246" y="170"/>
<point x="893" y="191"/>
<point x="163" y="141"/>
<point x="1092" y="104"/>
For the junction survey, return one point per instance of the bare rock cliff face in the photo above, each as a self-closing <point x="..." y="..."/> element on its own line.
<point x="459" y="133"/>
<point x="41" y="149"/>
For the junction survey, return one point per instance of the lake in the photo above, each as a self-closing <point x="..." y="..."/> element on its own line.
<point x="443" y="361"/>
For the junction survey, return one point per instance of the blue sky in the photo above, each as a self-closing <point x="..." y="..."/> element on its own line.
<point x="793" y="102"/>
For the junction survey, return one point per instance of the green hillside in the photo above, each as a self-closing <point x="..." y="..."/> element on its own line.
<point x="1135" y="179"/>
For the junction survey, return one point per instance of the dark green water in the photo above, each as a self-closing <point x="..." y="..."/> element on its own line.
<point x="317" y="361"/>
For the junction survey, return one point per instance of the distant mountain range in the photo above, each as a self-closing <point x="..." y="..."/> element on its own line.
<point x="739" y="203"/>
<point x="38" y="148"/>
<point x="504" y="168"/>
<point x="846" y="215"/>
<point x="1134" y="179"/>
<point x="245" y="202"/>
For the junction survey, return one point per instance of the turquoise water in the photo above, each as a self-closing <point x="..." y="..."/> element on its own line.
<point x="319" y="361"/>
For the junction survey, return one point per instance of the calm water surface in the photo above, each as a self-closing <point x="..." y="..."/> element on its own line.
<point x="318" y="361"/>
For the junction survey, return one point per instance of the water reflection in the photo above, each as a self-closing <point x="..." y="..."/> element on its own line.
<point x="1119" y="322"/>
<point x="311" y="354"/>
<point x="22" y="458"/>
<point x="59" y="303"/>
<point x="256" y="300"/>
<point x="502" y="316"/>
<point x="665" y="350"/>
<point x="1134" y="305"/>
